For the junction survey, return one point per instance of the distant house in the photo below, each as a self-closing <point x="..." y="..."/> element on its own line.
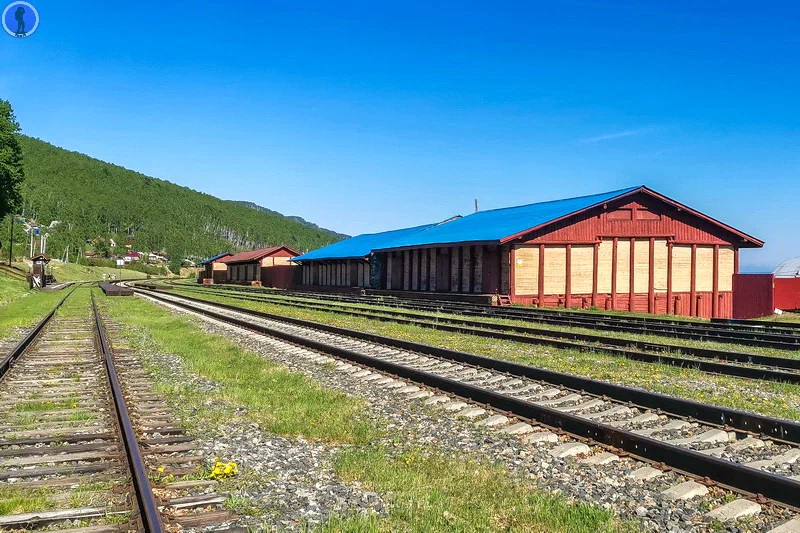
<point x="214" y="269"/>
<point x="89" y="254"/>
<point x="133" y="256"/>
<point x="270" y="267"/>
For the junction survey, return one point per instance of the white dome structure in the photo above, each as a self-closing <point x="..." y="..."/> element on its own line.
<point x="788" y="269"/>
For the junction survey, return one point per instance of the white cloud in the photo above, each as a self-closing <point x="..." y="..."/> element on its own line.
<point x="617" y="135"/>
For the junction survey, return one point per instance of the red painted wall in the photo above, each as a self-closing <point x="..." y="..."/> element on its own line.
<point x="787" y="294"/>
<point x="753" y="295"/>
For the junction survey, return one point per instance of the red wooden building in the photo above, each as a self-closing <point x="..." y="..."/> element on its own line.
<point x="214" y="269"/>
<point x="632" y="249"/>
<point x="270" y="267"/>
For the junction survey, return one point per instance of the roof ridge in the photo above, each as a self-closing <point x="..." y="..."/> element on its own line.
<point x="620" y="191"/>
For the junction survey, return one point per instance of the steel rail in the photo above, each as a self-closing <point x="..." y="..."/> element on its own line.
<point x="776" y="428"/>
<point x="22" y="345"/>
<point x="788" y="339"/>
<point x="742" y="478"/>
<point x="148" y="507"/>
<point x="781" y="371"/>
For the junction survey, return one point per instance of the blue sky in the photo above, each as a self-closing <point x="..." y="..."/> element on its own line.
<point x="371" y="116"/>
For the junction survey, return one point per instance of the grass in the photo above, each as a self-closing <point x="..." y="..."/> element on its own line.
<point x="283" y="402"/>
<point x="11" y="289"/>
<point x="75" y="272"/>
<point x="768" y="398"/>
<point x="432" y="492"/>
<point x="482" y="321"/>
<point x="26" y="311"/>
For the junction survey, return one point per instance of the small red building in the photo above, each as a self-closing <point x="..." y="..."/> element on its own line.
<point x="270" y="267"/>
<point x="214" y="269"/>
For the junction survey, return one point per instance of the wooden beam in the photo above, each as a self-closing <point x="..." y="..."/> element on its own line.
<point x="454" y="269"/>
<point x="477" y="284"/>
<point x="568" y="279"/>
<point x="466" y="268"/>
<point x="595" y="263"/>
<point x="632" y="294"/>
<point x="693" y="289"/>
<point x="512" y="266"/>
<point x="541" y="275"/>
<point x="406" y="269"/>
<point x="669" y="278"/>
<point x="423" y="269"/>
<point x="651" y="289"/>
<point x="715" y="290"/>
<point x="735" y="260"/>
<point x="389" y="271"/>
<point x="432" y="270"/>
<point x="415" y="270"/>
<point x="614" y="273"/>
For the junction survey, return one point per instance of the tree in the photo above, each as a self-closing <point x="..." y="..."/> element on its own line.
<point x="11" y="171"/>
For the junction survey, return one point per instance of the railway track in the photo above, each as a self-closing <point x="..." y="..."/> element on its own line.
<point x="748" y="334"/>
<point x="86" y="445"/>
<point x="752" y="454"/>
<point x="724" y="362"/>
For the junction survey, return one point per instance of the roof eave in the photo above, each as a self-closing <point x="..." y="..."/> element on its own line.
<point x="754" y="243"/>
<point x="435" y="245"/>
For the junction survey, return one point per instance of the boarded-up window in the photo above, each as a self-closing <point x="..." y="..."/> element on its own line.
<point x="526" y="270"/>
<point x="555" y="269"/>
<point x="660" y="255"/>
<point x="281" y="260"/>
<point x="605" y="255"/>
<point x="641" y="266"/>
<point x="623" y="266"/>
<point x="625" y="213"/>
<point x="725" y="268"/>
<point x="681" y="268"/>
<point x="705" y="268"/>
<point x="582" y="267"/>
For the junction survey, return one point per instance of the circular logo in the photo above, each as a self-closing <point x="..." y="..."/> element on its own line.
<point x="20" y="19"/>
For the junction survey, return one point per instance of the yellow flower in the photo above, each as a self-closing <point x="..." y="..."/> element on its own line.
<point x="160" y="468"/>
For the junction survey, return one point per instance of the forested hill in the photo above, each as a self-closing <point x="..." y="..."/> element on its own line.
<point x="91" y="198"/>
<point x="251" y="205"/>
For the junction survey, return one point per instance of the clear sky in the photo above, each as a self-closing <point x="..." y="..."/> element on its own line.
<point x="370" y="116"/>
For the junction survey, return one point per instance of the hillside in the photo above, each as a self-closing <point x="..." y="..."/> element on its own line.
<point x="301" y="220"/>
<point x="91" y="198"/>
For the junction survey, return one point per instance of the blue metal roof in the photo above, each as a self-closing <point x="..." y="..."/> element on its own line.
<point x="210" y="259"/>
<point x="360" y="245"/>
<point x="498" y="224"/>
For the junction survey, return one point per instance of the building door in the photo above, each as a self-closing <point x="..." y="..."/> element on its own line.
<point x="443" y="270"/>
<point x="491" y="270"/>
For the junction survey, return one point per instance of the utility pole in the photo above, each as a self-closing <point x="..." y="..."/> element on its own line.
<point x="476" y="205"/>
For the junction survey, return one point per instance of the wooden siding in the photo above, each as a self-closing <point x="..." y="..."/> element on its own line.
<point x="555" y="269"/>
<point x="641" y="266"/>
<point x="660" y="265"/>
<point x="582" y="269"/>
<point x="705" y="269"/>
<point x="605" y="255"/>
<point x="623" y="266"/>
<point x="726" y="268"/>
<point x="526" y="270"/>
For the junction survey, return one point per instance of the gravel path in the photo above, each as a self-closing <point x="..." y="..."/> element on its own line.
<point x="303" y="477"/>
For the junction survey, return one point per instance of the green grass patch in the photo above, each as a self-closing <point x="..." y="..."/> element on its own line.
<point x="765" y="397"/>
<point x="283" y="402"/>
<point x="435" y="492"/>
<point x="11" y="289"/>
<point x="27" y="311"/>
